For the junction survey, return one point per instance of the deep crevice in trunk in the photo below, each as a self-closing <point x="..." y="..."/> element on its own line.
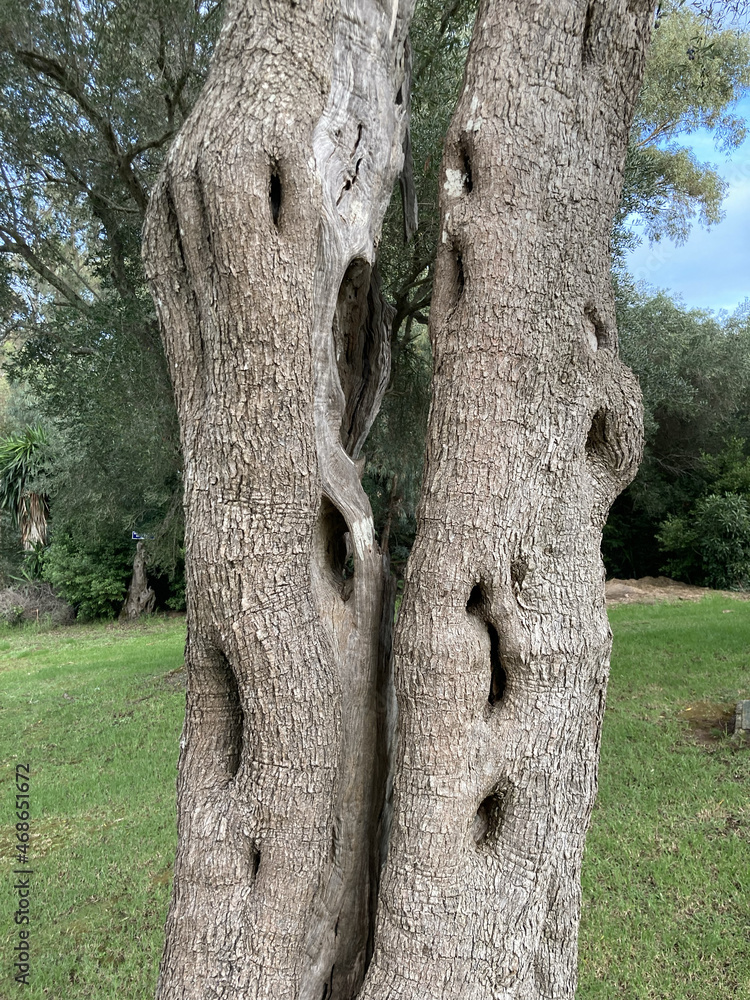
<point x="232" y="720"/>
<point x="468" y="180"/>
<point x="596" y="441"/>
<point x="587" y="48"/>
<point x="485" y="829"/>
<point x="478" y="606"/>
<point x="333" y="543"/>
<point x="460" y="276"/>
<point x="274" y="193"/>
<point x="498" y="677"/>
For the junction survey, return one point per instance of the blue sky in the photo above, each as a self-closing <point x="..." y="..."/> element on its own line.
<point x="712" y="269"/>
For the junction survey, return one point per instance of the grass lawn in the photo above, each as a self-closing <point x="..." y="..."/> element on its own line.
<point x="666" y="877"/>
<point x="97" y="712"/>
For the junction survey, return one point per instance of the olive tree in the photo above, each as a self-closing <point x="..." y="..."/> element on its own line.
<point x="260" y="246"/>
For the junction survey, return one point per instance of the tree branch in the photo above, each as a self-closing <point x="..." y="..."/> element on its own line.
<point x="57" y="72"/>
<point x="15" y="243"/>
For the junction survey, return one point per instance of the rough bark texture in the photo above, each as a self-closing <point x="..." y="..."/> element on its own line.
<point x="502" y="647"/>
<point x="260" y="245"/>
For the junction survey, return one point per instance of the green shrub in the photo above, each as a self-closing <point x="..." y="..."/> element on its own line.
<point x="710" y="544"/>
<point x="94" y="580"/>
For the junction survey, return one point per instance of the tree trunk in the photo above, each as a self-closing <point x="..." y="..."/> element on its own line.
<point x="141" y="598"/>
<point x="259" y="246"/>
<point x="502" y="646"/>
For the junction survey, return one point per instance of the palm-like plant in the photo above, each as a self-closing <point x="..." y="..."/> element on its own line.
<point x="21" y="460"/>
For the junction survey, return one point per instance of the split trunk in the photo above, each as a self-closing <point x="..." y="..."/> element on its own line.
<point x="260" y="247"/>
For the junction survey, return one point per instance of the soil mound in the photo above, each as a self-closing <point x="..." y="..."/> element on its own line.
<point x="655" y="589"/>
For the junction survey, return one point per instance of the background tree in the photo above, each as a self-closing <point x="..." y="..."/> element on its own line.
<point x="91" y="96"/>
<point x="694" y="370"/>
<point x="696" y="71"/>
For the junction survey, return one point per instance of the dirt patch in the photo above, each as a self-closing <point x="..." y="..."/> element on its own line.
<point x="656" y="589"/>
<point x="709" y="722"/>
<point x="174" y="679"/>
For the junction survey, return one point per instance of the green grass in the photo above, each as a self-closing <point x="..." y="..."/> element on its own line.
<point x="96" y="714"/>
<point x="666" y="876"/>
<point x="97" y="711"/>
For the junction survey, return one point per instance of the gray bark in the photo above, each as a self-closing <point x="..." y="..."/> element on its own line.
<point x="140" y="599"/>
<point x="32" y="519"/>
<point x="502" y="646"/>
<point x="260" y="248"/>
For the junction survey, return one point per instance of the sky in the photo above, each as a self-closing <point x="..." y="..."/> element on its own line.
<point x="712" y="269"/>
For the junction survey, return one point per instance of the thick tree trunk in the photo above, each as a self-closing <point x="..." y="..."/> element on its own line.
<point x="259" y="246"/>
<point x="502" y="647"/>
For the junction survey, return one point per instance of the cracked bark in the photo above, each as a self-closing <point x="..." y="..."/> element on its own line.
<point x="259" y="246"/>
<point x="502" y="646"/>
<point x="260" y="250"/>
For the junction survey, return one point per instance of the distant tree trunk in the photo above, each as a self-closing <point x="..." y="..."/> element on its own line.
<point x="141" y="598"/>
<point x="260" y="249"/>
<point x="502" y="646"/>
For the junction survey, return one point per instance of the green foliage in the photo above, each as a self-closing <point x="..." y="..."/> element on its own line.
<point x="696" y="72"/>
<point x="395" y="449"/>
<point x="710" y="542"/>
<point x="90" y="97"/>
<point x="694" y="370"/>
<point x="115" y="461"/>
<point x="22" y="458"/>
<point x="31" y="568"/>
<point x="176" y="600"/>
<point x="440" y="35"/>
<point x="729" y="470"/>
<point x="92" y="577"/>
